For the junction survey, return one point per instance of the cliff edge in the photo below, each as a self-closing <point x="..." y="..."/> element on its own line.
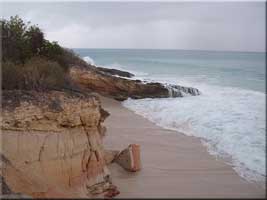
<point x="52" y="144"/>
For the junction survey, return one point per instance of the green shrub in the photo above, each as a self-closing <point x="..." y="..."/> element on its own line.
<point x="12" y="76"/>
<point x="42" y="74"/>
<point x="18" y="40"/>
<point x="30" y="61"/>
<point x="22" y="41"/>
<point x="36" y="74"/>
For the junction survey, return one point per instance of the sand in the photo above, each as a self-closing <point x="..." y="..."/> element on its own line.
<point x="173" y="165"/>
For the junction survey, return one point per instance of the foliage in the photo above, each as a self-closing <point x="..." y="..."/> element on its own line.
<point x="36" y="74"/>
<point x="21" y="41"/>
<point x="12" y="76"/>
<point x="13" y="41"/>
<point x="42" y="74"/>
<point x="29" y="60"/>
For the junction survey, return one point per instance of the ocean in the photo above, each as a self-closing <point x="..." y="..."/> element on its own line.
<point x="228" y="116"/>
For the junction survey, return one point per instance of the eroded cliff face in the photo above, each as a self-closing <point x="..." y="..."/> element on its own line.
<point x="121" y="88"/>
<point x="52" y="144"/>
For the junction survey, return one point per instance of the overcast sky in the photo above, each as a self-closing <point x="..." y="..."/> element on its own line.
<point x="238" y="26"/>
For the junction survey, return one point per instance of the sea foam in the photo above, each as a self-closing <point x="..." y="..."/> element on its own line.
<point x="230" y="122"/>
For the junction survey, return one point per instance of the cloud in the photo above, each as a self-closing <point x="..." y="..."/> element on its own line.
<point x="185" y="25"/>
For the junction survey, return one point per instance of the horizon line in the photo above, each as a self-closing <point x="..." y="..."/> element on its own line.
<point x="166" y="49"/>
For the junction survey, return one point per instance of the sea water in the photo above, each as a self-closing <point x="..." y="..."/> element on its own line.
<point x="228" y="116"/>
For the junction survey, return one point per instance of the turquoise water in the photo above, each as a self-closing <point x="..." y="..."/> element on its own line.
<point x="235" y="69"/>
<point x="228" y="116"/>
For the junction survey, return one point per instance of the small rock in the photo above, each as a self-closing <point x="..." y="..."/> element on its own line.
<point x="129" y="158"/>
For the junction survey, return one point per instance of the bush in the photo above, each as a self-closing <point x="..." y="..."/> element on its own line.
<point x="36" y="74"/>
<point x="30" y="61"/>
<point x="22" y="41"/>
<point x="42" y="74"/>
<point x="12" y="76"/>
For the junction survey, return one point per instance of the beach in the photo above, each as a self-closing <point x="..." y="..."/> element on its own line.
<point x="166" y="103"/>
<point x="173" y="165"/>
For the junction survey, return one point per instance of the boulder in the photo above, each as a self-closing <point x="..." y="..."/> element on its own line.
<point x="130" y="158"/>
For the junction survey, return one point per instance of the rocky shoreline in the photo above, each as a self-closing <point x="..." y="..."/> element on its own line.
<point x="120" y="88"/>
<point x="52" y="141"/>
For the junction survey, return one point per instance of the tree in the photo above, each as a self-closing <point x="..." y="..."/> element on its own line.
<point x="35" y="39"/>
<point x="13" y="41"/>
<point x="20" y="41"/>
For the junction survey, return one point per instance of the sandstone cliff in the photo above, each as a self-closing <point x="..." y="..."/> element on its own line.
<point x="52" y="144"/>
<point x="121" y="88"/>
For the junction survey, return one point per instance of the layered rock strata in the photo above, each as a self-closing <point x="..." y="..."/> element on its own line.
<point x="52" y="145"/>
<point x="121" y="88"/>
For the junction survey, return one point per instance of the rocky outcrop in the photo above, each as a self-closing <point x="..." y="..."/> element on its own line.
<point x="52" y="145"/>
<point x="121" y="89"/>
<point x="115" y="72"/>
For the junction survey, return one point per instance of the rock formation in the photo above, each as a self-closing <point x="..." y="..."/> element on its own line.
<point x="115" y="72"/>
<point x="121" y="88"/>
<point x="52" y="145"/>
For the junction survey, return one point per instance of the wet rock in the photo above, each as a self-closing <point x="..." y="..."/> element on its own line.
<point x="116" y="72"/>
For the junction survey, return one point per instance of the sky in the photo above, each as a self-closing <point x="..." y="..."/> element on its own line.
<point x="221" y="26"/>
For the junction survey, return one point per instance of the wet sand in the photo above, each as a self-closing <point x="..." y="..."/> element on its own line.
<point x="173" y="165"/>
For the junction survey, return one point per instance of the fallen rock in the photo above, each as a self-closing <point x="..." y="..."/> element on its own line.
<point x="130" y="158"/>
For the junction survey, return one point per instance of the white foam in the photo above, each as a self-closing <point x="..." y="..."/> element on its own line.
<point x="89" y="60"/>
<point x="230" y="121"/>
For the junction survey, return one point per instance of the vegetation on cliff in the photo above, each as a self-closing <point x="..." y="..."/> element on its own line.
<point x="31" y="62"/>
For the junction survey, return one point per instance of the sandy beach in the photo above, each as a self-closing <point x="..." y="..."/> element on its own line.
<point x="173" y="165"/>
<point x="162" y="100"/>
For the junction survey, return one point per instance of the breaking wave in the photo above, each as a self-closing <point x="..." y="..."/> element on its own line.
<point x="89" y="60"/>
<point x="230" y="122"/>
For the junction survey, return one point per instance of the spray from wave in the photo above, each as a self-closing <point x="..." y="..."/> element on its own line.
<point x="89" y="60"/>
